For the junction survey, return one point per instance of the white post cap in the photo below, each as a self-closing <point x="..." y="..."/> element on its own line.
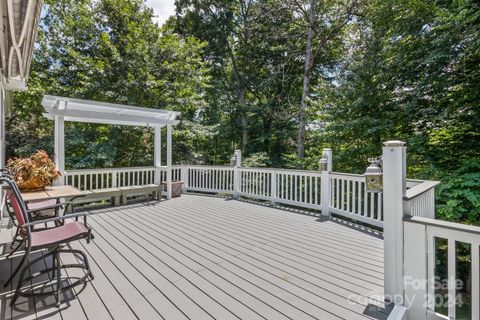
<point x="394" y="143"/>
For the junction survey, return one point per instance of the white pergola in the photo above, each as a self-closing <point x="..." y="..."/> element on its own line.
<point x="61" y="109"/>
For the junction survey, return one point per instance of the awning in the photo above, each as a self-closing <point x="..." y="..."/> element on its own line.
<point x="19" y="22"/>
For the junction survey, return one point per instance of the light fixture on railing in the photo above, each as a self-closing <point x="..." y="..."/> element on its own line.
<point x="374" y="175"/>
<point x="236" y="159"/>
<point x="233" y="160"/>
<point x="323" y="163"/>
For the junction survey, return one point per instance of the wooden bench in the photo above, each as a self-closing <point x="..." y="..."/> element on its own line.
<point x="120" y="195"/>
<point x="150" y="189"/>
<point x="113" y="194"/>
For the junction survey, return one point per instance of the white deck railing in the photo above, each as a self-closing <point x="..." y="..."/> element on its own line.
<point x="94" y="179"/>
<point x="350" y="199"/>
<point x="346" y="197"/>
<point x="419" y="200"/>
<point x="421" y="262"/>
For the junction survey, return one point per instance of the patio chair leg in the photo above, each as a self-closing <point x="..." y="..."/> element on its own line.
<point x="20" y="242"/>
<point x="59" y="278"/>
<point x="17" y="269"/>
<point x="85" y="261"/>
<point x="53" y="266"/>
<point x="20" y="279"/>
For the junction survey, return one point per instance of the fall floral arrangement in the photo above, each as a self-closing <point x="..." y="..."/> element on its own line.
<point x="34" y="173"/>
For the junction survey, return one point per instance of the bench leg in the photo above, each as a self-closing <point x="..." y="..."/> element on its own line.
<point x="115" y="201"/>
<point x="124" y="199"/>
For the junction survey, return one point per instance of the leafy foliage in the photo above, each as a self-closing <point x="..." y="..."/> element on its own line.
<point x="256" y="160"/>
<point x="34" y="172"/>
<point x="458" y="197"/>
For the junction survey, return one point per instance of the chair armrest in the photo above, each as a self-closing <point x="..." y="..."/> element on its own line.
<point x="61" y="218"/>
<point x="54" y="206"/>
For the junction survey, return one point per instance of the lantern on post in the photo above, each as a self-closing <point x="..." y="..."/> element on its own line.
<point x="323" y="163"/>
<point x="236" y="159"/>
<point x="374" y="176"/>
<point x="233" y="160"/>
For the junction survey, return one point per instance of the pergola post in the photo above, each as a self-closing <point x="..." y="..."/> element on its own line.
<point x="60" y="147"/>
<point x="157" y="156"/>
<point x="169" y="161"/>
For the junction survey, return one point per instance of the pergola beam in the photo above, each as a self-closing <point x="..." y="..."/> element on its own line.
<point x="75" y="116"/>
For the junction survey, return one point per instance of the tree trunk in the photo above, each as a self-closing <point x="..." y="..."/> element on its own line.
<point x="306" y="81"/>
<point x="244" y="120"/>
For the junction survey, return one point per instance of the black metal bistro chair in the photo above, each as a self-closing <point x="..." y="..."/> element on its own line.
<point x="55" y="240"/>
<point x="37" y="210"/>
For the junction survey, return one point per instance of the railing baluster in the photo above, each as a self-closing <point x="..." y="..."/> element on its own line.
<point x="379" y="206"/>
<point x="372" y="205"/>
<point x="348" y="196"/>
<point x="452" y="285"/>
<point x="475" y="301"/>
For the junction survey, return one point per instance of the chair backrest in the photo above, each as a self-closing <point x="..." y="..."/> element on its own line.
<point x="16" y="200"/>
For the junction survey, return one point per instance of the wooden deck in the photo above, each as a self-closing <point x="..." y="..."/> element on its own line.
<point x="200" y="257"/>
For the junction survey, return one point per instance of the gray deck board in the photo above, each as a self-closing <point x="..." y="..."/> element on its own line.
<point x="274" y="269"/>
<point x="200" y="257"/>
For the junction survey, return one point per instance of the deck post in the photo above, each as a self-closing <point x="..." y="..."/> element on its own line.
<point x="236" y="174"/>
<point x="394" y="177"/>
<point x="60" y="148"/>
<point x="325" y="183"/>
<point x="273" y="187"/>
<point x="184" y="178"/>
<point x="416" y="270"/>
<point x="169" y="161"/>
<point x="157" y="156"/>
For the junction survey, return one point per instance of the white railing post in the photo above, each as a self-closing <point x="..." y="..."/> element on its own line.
<point x="273" y="187"/>
<point x="236" y="182"/>
<point x="394" y="177"/>
<point x="237" y="175"/>
<point x="114" y="178"/>
<point x="325" y="183"/>
<point x="415" y="280"/>
<point x="184" y="178"/>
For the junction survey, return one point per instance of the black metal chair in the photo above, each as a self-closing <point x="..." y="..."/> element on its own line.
<point x="54" y="239"/>
<point x="38" y="210"/>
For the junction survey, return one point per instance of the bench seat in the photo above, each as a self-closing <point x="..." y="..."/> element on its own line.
<point x="113" y="194"/>
<point x="154" y="189"/>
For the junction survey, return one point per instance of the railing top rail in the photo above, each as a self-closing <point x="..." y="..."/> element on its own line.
<point x="444" y="224"/>
<point x="108" y="169"/>
<point x="347" y="174"/>
<point x="207" y="167"/>
<point x="419" y="189"/>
